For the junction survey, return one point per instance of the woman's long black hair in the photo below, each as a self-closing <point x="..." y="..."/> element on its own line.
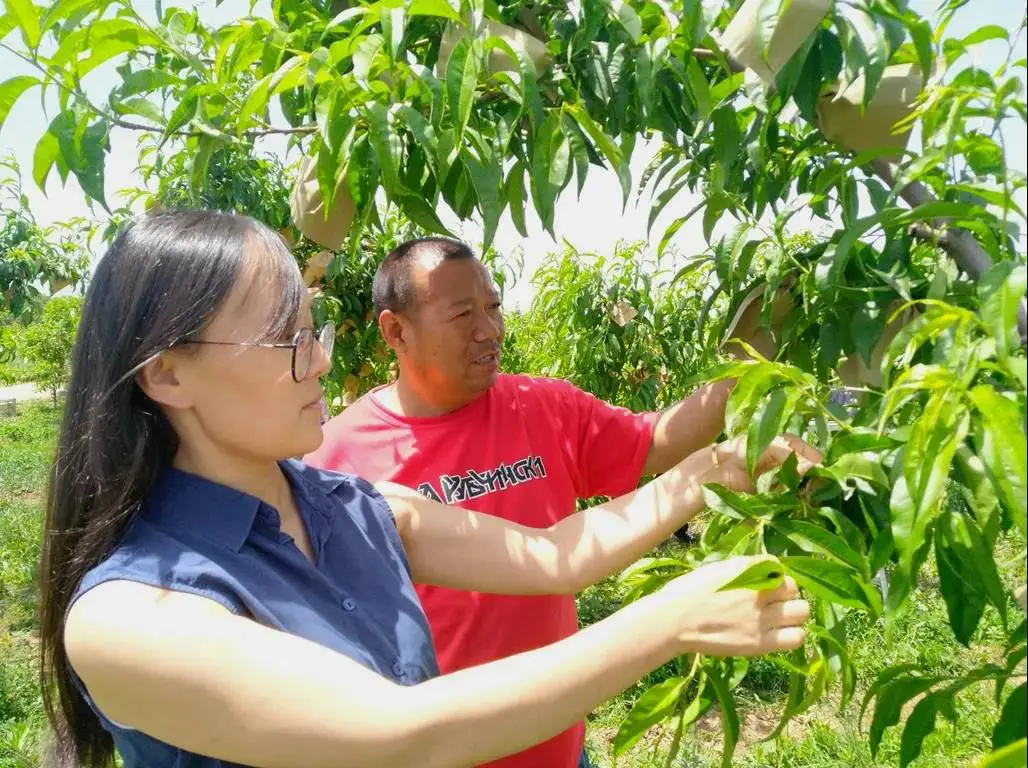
<point x="161" y="282"/>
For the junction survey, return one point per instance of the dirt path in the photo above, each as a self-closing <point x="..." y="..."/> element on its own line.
<point x="22" y="392"/>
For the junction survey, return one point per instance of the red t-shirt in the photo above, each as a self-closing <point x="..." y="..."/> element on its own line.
<point x="525" y="450"/>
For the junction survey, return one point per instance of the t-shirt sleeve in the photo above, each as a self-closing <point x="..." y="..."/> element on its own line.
<point x="607" y="444"/>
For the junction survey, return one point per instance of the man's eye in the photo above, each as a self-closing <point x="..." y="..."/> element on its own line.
<point x="465" y="313"/>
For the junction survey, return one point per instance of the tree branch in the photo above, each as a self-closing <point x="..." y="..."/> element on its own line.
<point x="959" y="244"/>
<point x="256" y="132"/>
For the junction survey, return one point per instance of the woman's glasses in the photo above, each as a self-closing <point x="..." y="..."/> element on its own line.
<point x="302" y="346"/>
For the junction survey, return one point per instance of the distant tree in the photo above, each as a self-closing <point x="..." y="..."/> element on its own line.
<point x="47" y="343"/>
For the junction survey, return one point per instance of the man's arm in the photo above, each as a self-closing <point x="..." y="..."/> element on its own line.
<point x="696" y="421"/>
<point x="463" y="549"/>
<point x="687" y="426"/>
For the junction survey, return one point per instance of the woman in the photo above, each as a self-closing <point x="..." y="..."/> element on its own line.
<point x="207" y="602"/>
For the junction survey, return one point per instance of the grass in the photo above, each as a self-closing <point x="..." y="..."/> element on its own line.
<point x="822" y="738"/>
<point x="26" y="449"/>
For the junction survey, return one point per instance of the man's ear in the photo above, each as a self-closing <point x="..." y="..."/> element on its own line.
<point x="393" y="328"/>
<point x="160" y="381"/>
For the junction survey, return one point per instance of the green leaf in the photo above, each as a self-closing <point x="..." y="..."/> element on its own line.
<point x="420" y="212"/>
<point x="1019" y="635"/>
<point x="833" y="262"/>
<point x="516" y="197"/>
<point x="729" y="716"/>
<point x="864" y="465"/>
<point x="255" y="104"/>
<point x="700" y="705"/>
<point x="1011" y="756"/>
<point x="921" y="35"/>
<point x="10" y="91"/>
<point x="387" y="145"/>
<point x="965" y="602"/>
<point x="439" y="8"/>
<point x="727" y="137"/>
<point x="579" y="151"/>
<point x="885" y="677"/>
<point x="811" y="537"/>
<point x="859" y="440"/>
<point x="835" y="647"/>
<point x="628" y="19"/>
<point x="206" y="145"/>
<point x="393" y="20"/>
<point x="768" y="422"/>
<point x="921" y="329"/>
<point x="462" y="70"/>
<point x="978" y="561"/>
<point x="551" y="157"/>
<point x="47" y="150"/>
<point x="63" y="9"/>
<point x="765" y="575"/>
<point x="82" y="148"/>
<point x="745" y="505"/>
<point x="927" y="457"/>
<point x="348" y="14"/>
<point x="866" y="327"/>
<point x="796" y="696"/>
<point x="103" y="40"/>
<point x="978" y="491"/>
<point x="487" y="179"/>
<point x="937" y="210"/>
<point x="26" y="15"/>
<point x="656" y="704"/>
<point x="1013" y="722"/>
<point x="603" y="143"/>
<point x="746" y="395"/>
<point x="1002" y="449"/>
<point x="142" y="107"/>
<point x="722" y="90"/>
<point x="699" y="88"/>
<point x="1001" y="289"/>
<point x="890" y="701"/>
<point x="984" y="34"/>
<point x="183" y="112"/>
<point x="424" y="134"/>
<point x="833" y="582"/>
<point x="920" y="724"/>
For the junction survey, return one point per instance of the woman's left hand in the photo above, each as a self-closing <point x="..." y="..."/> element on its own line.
<point x="728" y="460"/>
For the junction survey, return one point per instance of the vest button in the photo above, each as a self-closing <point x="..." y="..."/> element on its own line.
<point x="398" y="669"/>
<point x="349" y="604"/>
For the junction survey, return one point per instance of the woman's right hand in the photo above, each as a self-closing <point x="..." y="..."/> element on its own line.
<point x="735" y="622"/>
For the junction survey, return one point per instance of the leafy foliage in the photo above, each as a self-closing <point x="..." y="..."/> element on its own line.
<point x="621" y="329"/>
<point x="47" y="343"/>
<point x="33" y="259"/>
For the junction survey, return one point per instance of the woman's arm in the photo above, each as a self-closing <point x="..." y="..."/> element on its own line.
<point x="463" y="549"/>
<point x="186" y="671"/>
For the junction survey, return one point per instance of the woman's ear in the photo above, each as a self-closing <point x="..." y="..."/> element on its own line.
<point x="160" y="381"/>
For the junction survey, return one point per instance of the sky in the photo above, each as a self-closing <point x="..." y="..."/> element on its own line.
<point x="592" y="223"/>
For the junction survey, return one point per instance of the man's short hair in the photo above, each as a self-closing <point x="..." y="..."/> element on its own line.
<point x="393" y="288"/>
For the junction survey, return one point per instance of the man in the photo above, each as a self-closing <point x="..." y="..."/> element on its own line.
<point x="525" y="449"/>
